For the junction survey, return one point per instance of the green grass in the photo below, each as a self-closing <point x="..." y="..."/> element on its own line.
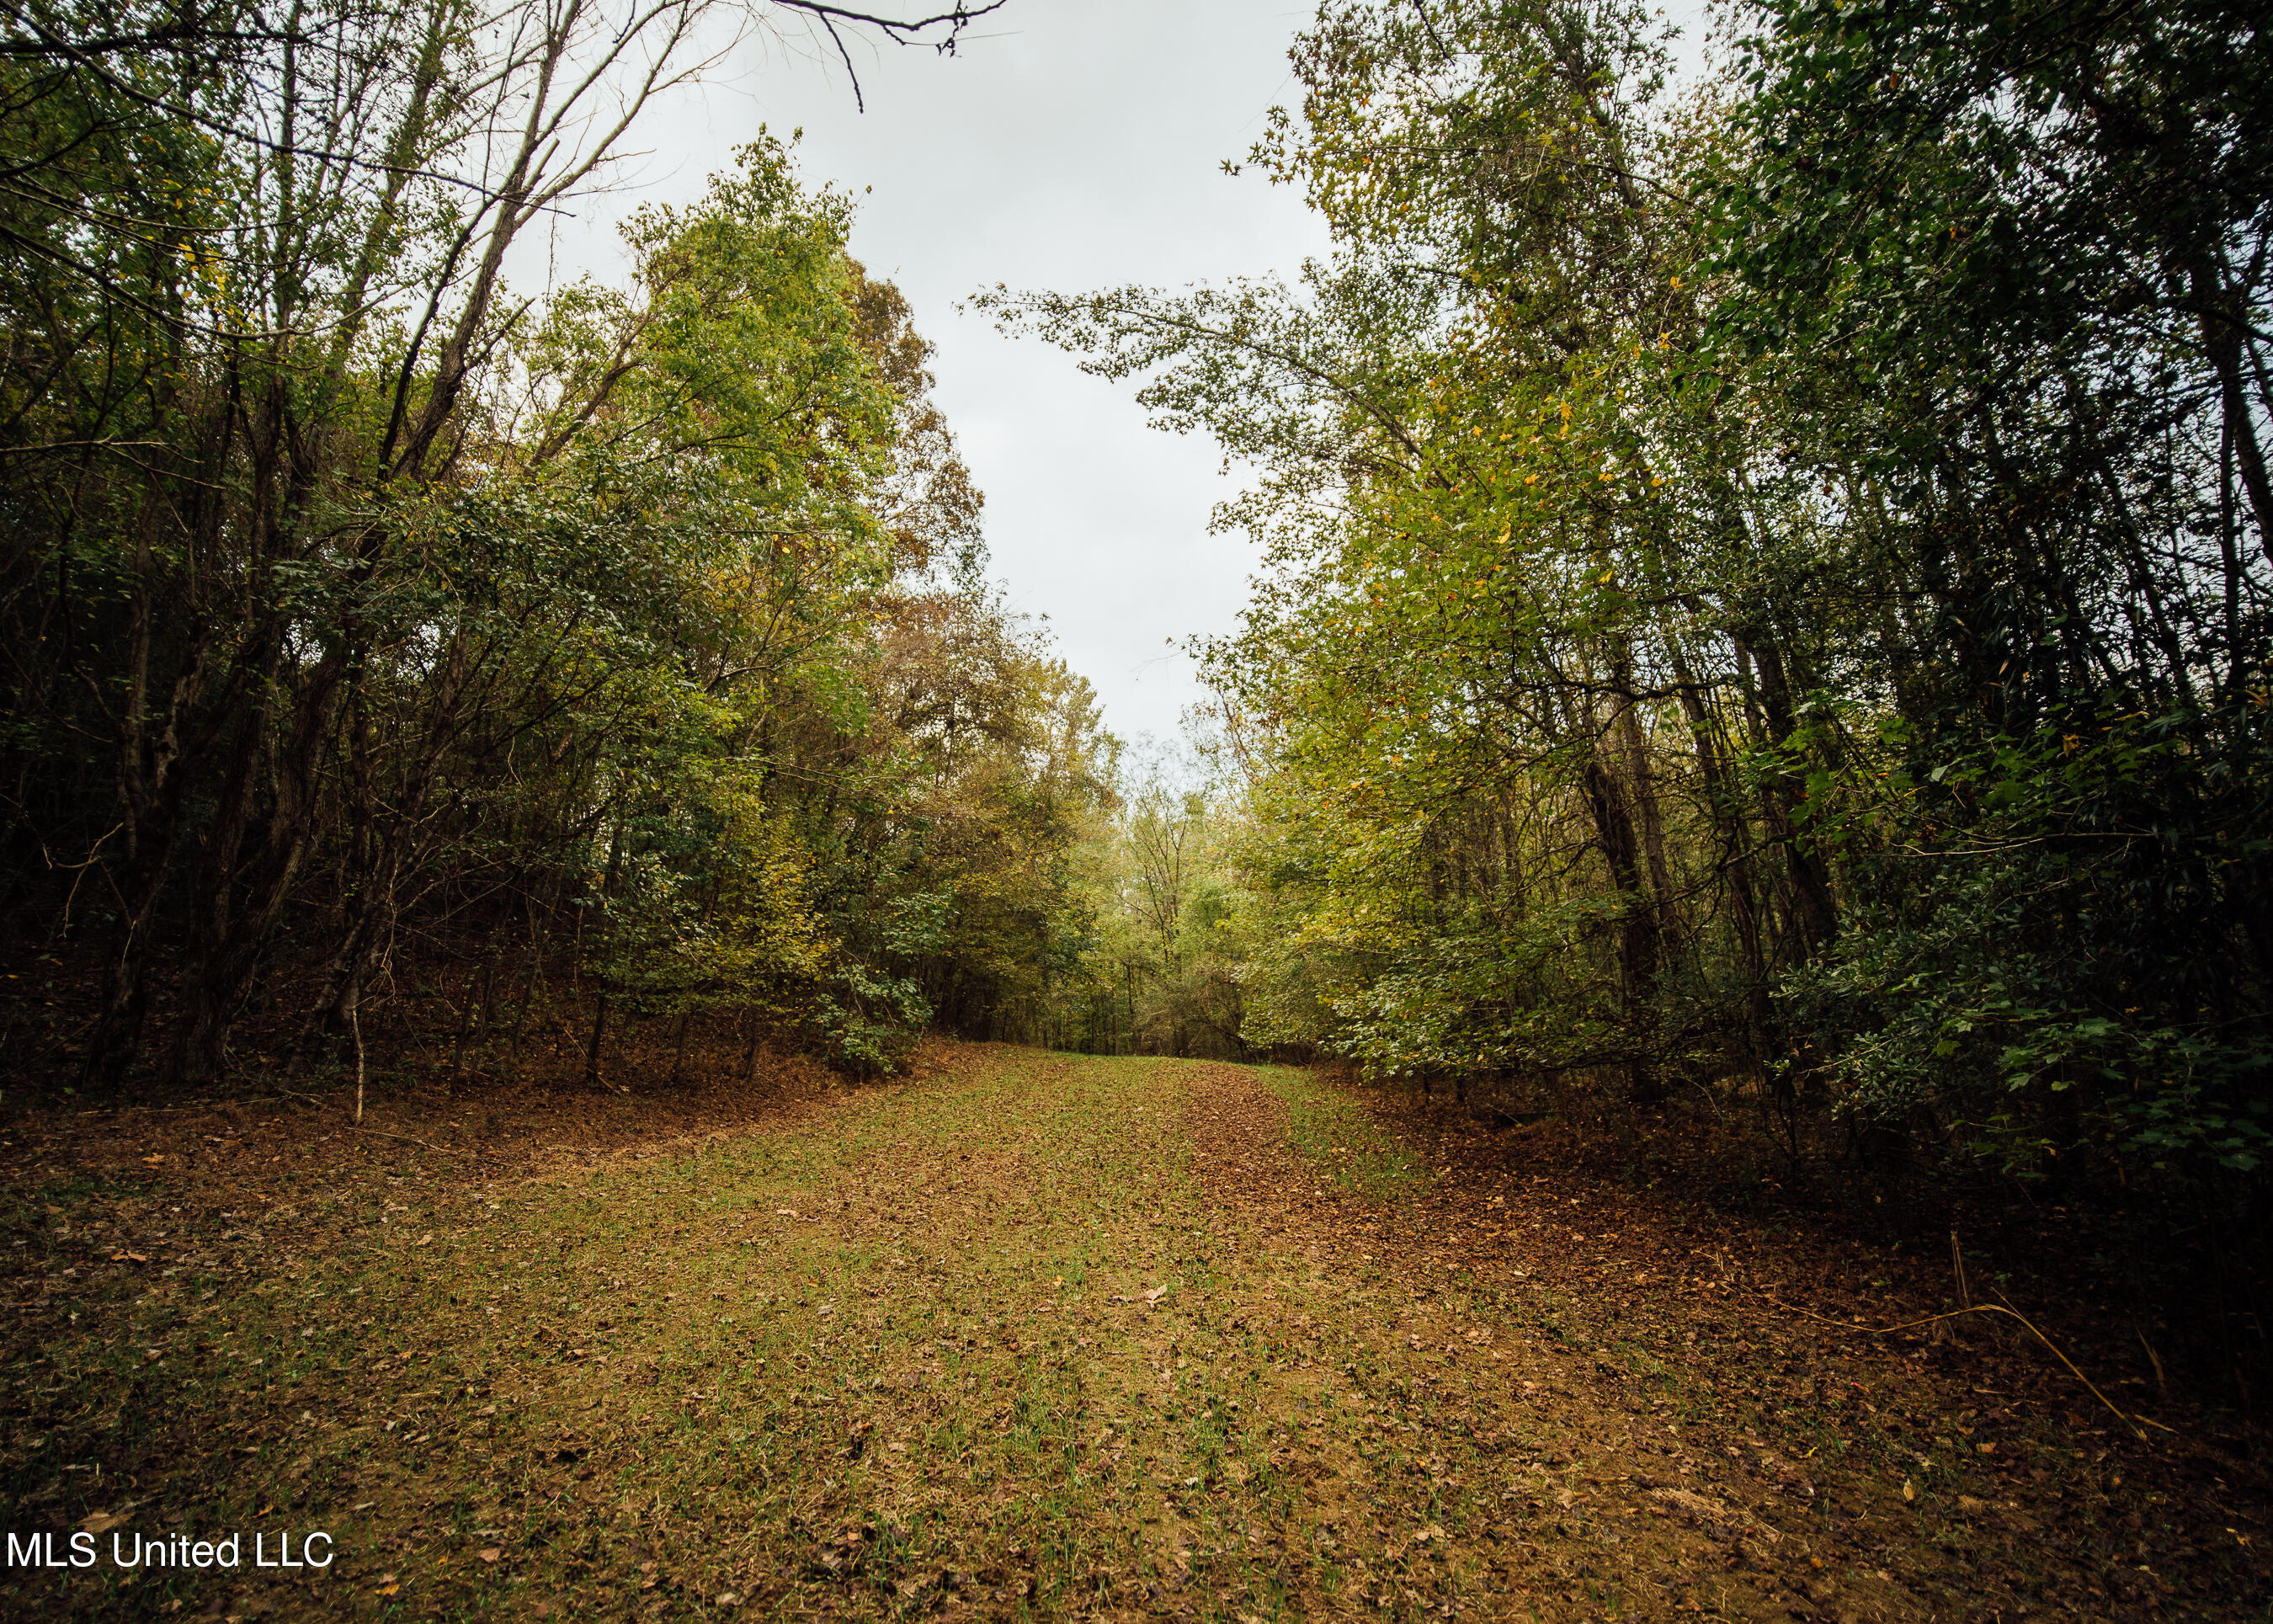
<point x="980" y="1342"/>
<point x="1332" y="1131"/>
<point x="977" y="1345"/>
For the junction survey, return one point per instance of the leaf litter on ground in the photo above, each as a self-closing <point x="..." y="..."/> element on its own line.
<point x="1052" y="1335"/>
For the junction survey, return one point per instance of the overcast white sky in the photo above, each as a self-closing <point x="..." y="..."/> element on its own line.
<point x="1069" y="145"/>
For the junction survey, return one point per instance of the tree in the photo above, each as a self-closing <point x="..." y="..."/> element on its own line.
<point x="1731" y="562"/>
<point x="415" y="616"/>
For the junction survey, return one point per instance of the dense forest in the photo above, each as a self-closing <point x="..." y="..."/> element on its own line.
<point x="401" y="662"/>
<point x="1769" y="588"/>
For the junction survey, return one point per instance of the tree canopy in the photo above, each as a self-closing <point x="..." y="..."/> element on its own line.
<point x="1767" y="586"/>
<point x="1766" y="590"/>
<point x="385" y="638"/>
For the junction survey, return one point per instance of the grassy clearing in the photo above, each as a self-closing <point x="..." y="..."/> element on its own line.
<point x="1032" y="1337"/>
<point x="971" y="1345"/>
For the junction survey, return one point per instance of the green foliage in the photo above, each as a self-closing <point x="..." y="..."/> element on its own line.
<point x="623" y="645"/>
<point x="1767" y="591"/>
<point x="1157" y="971"/>
<point x="2032" y="986"/>
<point x="2022" y="248"/>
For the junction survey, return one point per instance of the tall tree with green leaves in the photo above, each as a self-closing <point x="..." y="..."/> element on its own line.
<point x="379" y="630"/>
<point x="1764" y="588"/>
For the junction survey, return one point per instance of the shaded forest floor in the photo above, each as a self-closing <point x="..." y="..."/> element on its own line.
<point x="1025" y="1336"/>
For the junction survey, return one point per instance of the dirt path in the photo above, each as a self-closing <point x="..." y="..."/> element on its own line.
<point x="1032" y="1335"/>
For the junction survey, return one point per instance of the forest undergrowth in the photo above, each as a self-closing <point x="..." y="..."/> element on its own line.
<point x="1030" y="1334"/>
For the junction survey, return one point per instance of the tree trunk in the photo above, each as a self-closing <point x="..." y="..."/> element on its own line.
<point x="1639" y="939"/>
<point x="1814" y="917"/>
<point x="1723" y="796"/>
<point x="232" y="937"/>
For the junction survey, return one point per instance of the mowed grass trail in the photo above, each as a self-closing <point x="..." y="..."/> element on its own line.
<point x="1033" y="1336"/>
